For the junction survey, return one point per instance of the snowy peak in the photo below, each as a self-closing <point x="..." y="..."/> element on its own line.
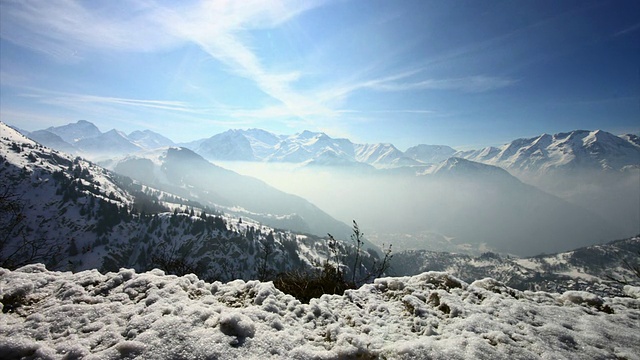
<point x="148" y="139"/>
<point x="75" y="132"/>
<point x="455" y="166"/>
<point x="308" y="146"/>
<point x="580" y="149"/>
<point x="229" y="145"/>
<point x="53" y="141"/>
<point x="84" y="138"/>
<point x="382" y="155"/>
<point x="109" y="144"/>
<point x="429" y="153"/>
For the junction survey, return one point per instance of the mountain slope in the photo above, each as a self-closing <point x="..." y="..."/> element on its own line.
<point x="187" y="174"/>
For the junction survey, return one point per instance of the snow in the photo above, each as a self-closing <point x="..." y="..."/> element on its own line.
<point x="596" y="149"/>
<point x="56" y="315"/>
<point x="632" y="291"/>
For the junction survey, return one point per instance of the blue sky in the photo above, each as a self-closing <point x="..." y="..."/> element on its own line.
<point x="461" y="73"/>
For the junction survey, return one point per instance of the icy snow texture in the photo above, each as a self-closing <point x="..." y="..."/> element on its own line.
<point x="53" y="315"/>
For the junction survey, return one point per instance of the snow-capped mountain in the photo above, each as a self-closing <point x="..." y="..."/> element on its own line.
<point x="229" y="145"/>
<point x="595" y="170"/>
<point x="429" y="153"/>
<point x="262" y="142"/>
<point x="574" y="150"/>
<point x="52" y="140"/>
<point x="106" y="145"/>
<point x="84" y="138"/>
<point x="148" y="139"/>
<point x="74" y="132"/>
<point x="571" y="151"/>
<point x="455" y="166"/>
<point x="307" y="147"/>
<point x="382" y="155"/>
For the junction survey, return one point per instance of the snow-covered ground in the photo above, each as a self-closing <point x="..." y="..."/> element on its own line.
<point x="64" y="315"/>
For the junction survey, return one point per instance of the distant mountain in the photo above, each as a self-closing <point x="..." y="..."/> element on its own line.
<point x="84" y="138"/>
<point x="480" y="206"/>
<point x="429" y="153"/>
<point x="572" y="151"/>
<point x="576" y="150"/>
<point x="307" y="147"/>
<point x="382" y="155"/>
<point x="109" y="144"/>
<point x="229" y="145"/>
<point x="595" y="170"/>
<point x="148" y="139"/>
<point x="459" y="167"/>
<point x="330" y="158"/>
<point x="49" y="139"/>
<point x="262" y="142"/>
<point x="72" y="133"/>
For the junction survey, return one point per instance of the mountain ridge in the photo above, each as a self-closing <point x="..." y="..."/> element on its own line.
<point x="595" y="149"/>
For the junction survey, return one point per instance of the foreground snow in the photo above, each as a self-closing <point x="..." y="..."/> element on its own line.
<point x="428" y="316"/>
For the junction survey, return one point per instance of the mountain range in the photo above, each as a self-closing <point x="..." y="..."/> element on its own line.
<point x="85" y="139"/>
<point x="572" y="150"/>
<point x="565" y="153"/>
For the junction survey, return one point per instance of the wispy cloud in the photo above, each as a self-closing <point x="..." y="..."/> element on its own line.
<point x="410" y="81"/>
<point x="628" y="30"/>
<point x="74" y="100"/>
<point x="67" y="30"/>
<point x="468" y="84"/>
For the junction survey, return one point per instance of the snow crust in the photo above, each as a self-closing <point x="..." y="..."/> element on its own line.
<point x="56" y="315"/>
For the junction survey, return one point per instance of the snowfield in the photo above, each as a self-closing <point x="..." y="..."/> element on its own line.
<point x="64" y="315"/>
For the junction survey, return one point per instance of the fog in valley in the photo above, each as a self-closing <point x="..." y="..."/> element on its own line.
<point x="435" y="208"/>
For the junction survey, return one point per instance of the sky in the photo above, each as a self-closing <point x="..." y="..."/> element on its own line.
<point x="467" y="74"/>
